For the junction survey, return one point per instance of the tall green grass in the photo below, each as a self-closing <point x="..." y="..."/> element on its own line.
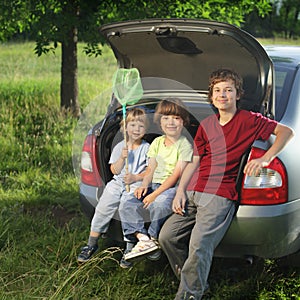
<point x="41" y="226"/>
<point x="36" y="139"/>
<point x="38" y="261"/>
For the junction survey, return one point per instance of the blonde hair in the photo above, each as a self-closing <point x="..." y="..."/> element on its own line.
<point x="171" y="107"/>
<point x="135" y="114"/>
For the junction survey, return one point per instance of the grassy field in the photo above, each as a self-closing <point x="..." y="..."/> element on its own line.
<point x="41" y="225"/>
<point x="279" y="41"/>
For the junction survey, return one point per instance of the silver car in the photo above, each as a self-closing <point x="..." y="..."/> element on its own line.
<point x="175" y="58"/>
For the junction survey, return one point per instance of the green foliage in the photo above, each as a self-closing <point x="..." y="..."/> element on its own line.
<point x="13" y="18"/>
<point x="92" y="49"/>
<point x="41" y="261"/>
<point x="233" y="12"/>
<point x="283" y="21"/>
<point x="287" y="18"/>
<point x="51" y="21"/>
<point x="31" y="139"/>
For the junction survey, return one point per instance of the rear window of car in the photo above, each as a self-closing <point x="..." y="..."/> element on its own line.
<point x="284" y="76"/>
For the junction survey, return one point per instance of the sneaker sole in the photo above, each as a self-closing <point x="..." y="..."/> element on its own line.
<point x="125" y="266"/>
<point x="85" y="260"/>
<point x="155" y="256"/>
<point x="82" y="260"/>
<point x="131" y="255"/>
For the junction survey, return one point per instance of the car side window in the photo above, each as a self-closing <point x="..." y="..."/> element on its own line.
<point x="284" y="77"/>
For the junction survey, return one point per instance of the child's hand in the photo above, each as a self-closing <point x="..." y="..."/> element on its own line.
<point x="129" y="178"/>
<point x="124" y="153"/>
<point x="178" y="204"/>
<point x="254" y="166"/>
<point x="140" y="192"/>
<point x="148" y="200"/>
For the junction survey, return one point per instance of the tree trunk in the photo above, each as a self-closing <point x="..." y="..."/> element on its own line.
<point x="295" y="21"/>
<point x="69" y="71"/>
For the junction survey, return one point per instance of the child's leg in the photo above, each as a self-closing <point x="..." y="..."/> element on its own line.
<point x="142" y="236"/>
<point x="106" y="208"/>
<point x="132" y="215"/>
<point x="123" y="262"/>
<point x="93" y="239"/>
<point x="104" y="212"/>
<point x="160" y="210"/>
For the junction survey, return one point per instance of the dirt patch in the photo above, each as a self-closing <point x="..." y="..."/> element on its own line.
<point x="60" y="214"/>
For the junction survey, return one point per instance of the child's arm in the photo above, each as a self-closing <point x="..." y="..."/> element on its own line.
<point x="179" y="201"/>
<point x="147" y="180"/>
<point x="283" y="135"/>
<point x="117" y="166"/>
<point x="168" y="183"/>
<point x="131" y="178"/>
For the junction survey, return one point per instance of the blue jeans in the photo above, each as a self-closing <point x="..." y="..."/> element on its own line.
<point x="108" y="204"/>
<point x="134" y="216"/>
<point x="189" y="241"/>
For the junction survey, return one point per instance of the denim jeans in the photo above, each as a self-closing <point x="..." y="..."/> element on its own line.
<point x="134" y="216"/>
<point x="108" y="204"/>
<point x="189" y="241"/>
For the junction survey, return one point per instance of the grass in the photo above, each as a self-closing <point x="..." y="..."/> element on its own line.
<point x="279" y="41"/>
<point x="36" y="139"/>
<point x="41" y="225"/>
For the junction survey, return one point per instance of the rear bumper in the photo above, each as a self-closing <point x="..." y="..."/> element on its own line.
<point x="263" y="231"/>
<point x="88" y="197"/>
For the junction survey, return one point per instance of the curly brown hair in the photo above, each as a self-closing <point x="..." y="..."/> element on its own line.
<point x="224" y="75"/>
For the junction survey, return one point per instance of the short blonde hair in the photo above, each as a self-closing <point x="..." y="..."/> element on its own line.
<point x="135" y="114"/>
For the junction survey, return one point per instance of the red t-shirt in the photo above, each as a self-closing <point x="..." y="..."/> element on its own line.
<point x="221" y="148"/>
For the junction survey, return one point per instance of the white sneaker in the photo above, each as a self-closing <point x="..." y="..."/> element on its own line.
<point x="141" y="248"/>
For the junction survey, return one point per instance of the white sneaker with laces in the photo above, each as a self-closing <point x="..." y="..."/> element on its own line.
<point x="141" y="248"/>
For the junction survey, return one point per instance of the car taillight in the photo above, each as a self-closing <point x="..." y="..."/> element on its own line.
<point x="269" y="187"/>
<point x="89" y="170"/>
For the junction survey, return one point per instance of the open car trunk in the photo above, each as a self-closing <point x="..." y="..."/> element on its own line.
<point x="187" y="51"/>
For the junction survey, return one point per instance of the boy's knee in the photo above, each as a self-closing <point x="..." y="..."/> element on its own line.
<point x="161" y="237"/>
<point x="164" y="236"/>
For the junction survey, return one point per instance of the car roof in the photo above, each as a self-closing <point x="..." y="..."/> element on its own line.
<point x="284" y="54"/>
<point x="188" y="50"/>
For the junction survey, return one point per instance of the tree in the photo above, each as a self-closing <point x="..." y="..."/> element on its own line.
<point x="289" y="17"/>
<point x="63" y="22"/>
<point x="53" y="23"/>
<point x="59" y="22"/>
<point x="231" y="11"/>
<point x="283" y="20"/>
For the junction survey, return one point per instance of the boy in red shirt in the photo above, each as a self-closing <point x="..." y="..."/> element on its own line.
<point x="206" y="191"/>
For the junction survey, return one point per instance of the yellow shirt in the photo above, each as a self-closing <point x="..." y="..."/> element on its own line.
<point x="168" y="156"/>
